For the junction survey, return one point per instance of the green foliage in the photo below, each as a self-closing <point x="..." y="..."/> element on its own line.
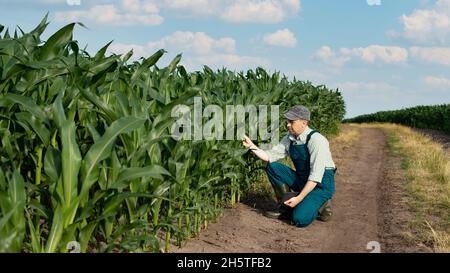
<point x="86" y="153"/>
<point x="425" y="117"/>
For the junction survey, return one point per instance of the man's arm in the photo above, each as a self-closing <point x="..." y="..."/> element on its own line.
<point x="294" y="201"/>
<point x="261" y="154"/>
<point x="318" y="148"/>
<point x="276" y="153"/>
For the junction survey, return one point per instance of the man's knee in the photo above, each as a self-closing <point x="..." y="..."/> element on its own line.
<point x="273" y="167"/>
<point x="302" y="220"/>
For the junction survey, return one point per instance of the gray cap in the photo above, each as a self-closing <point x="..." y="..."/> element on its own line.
<point x="298" y="112"/>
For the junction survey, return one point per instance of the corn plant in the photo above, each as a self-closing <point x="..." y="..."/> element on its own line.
<point x="86" y="149"/>
<point x="426" y="117"/>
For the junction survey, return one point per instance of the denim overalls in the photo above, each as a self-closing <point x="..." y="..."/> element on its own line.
<point x="307" y="210"/>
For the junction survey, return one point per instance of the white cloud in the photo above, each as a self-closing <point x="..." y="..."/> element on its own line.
<point x="230" y="61"/>
<point x="427" y="26"/>
<point x="434" y="55"/>
<point x="237" y="11"/>
<point x="254" y="11"/>
<point x="135" y="6"/>
<point x="70" y="2"/>
<point x="370" y="54"/>
<point x="52" y="1"/>
<point x="328" y="56"/>
<point x="131" y="12"/>
<point x="365" y="86"/>
<point x="438" y="82"/>
<point x="374" y="2"/>
<point x="196" y="42"/>
<point x="387" y="54"/>
<point x="316" y="76"/>
<point x="198" y="49"/>
<point x="293" y="5"/>
<point x="138" y="50"/>
<point x="282" y="37"/>
<point x="194" y="7"/>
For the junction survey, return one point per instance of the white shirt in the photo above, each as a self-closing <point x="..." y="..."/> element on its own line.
<point x="319" y="150"/>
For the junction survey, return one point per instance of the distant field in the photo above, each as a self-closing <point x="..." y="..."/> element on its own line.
<point x="425" y="117"/>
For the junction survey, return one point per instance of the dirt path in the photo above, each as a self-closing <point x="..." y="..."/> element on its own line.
<point x="363" y="212"/>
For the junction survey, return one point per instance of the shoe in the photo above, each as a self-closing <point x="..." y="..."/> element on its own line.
<point x="286" y="213"/>
<point x="272" y="214"/>
<point x="325" y="211"/>
<point x="281" y="213"/>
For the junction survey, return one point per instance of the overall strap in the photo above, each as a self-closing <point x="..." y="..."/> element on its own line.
<point x="309" y="136"/>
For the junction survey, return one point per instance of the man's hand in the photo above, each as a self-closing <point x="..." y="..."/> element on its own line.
<point x="293" y="202"/>
<point x="247" y="142"/>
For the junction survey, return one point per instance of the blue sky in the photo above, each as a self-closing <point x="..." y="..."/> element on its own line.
<point x="381" y="54"/>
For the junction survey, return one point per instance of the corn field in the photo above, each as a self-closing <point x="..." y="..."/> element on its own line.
<point x="86" y="153"/>
<point x="424" y="117"/>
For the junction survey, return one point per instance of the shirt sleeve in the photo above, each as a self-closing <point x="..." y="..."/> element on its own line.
<point x="318" y="147"/>
<point x="279" y="151"/>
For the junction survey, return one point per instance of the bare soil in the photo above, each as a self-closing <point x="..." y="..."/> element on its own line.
<point x="369" y="205"/>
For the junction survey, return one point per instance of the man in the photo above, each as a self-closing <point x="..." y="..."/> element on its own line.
<point x="313" y="177"/>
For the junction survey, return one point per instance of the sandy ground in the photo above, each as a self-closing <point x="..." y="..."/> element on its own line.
<point x="368" y="207"/>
